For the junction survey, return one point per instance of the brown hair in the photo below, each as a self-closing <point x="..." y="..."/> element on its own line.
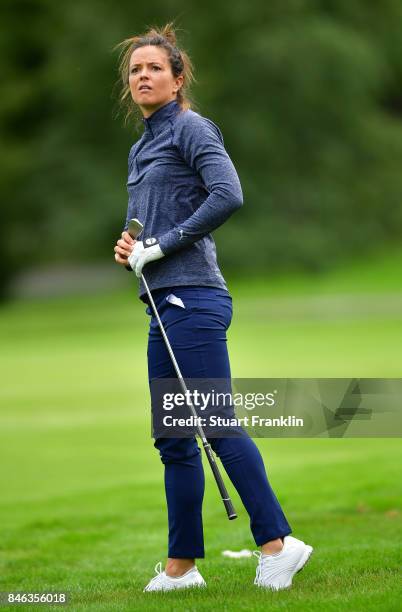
<point x="180" y="64"/>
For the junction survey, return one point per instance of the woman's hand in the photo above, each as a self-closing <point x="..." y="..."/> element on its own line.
<point x="123" y="249"/>
<point x="143" y="253"/>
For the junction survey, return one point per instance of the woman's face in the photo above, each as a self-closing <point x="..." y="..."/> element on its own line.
<point x="152" y="83"/>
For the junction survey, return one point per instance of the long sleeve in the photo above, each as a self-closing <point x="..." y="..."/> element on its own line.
<point x="128" y="215"/>
<point x="200" y="143"/>
<point x="130" y="166"/>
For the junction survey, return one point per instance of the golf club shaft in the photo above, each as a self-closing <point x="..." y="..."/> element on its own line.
<point x="207" y="447"/>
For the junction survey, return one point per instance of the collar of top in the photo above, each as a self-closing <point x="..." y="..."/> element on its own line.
<point x="155" y="122"/>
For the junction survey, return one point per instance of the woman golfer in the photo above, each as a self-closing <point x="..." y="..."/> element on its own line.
<point x="182" y="185"/>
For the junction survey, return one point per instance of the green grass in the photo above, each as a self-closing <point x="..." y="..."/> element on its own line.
<point x="378" y="271"/>
<point x="82" y="505"/>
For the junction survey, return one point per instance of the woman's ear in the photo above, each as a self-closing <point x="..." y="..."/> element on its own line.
<point x="179" y="82"/>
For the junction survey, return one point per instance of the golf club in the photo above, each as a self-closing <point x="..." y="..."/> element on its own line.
<point x="134" y="228"/>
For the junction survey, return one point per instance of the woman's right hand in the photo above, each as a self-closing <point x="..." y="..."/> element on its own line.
<point x="123" y="248"/>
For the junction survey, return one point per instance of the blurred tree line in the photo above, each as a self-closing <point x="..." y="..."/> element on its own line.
<point x="307" y="93"/>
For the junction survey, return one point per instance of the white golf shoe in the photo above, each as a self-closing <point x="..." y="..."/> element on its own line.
<point x="163" y="582"/>
<point x="276" y="571"/>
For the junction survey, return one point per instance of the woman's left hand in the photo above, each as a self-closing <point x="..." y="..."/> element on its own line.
<point x="142" y="255"/>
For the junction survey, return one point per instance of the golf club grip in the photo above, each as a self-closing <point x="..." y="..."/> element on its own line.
<point x="227" y="502"/>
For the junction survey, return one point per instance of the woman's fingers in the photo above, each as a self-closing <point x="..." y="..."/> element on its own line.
<point x="125" y="245"/>
<point x="120" y="260"/>
<point x="123" y="248"/>
<point x="127" y="238"/>
<point x="122" y="251"/>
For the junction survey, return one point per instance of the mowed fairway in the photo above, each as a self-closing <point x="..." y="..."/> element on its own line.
<point x="82" y="505"/>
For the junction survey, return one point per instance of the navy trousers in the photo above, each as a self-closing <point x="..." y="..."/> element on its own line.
<point x="196" y="326"/>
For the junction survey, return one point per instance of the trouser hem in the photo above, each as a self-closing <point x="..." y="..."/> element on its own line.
<point x="186" y="554"/>
<point x="272" y="536"/>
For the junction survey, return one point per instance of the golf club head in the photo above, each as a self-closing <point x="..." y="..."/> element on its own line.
<point x="134" y="228"/>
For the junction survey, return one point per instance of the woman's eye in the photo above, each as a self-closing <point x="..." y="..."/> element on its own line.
<point x="134" y="70"/>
